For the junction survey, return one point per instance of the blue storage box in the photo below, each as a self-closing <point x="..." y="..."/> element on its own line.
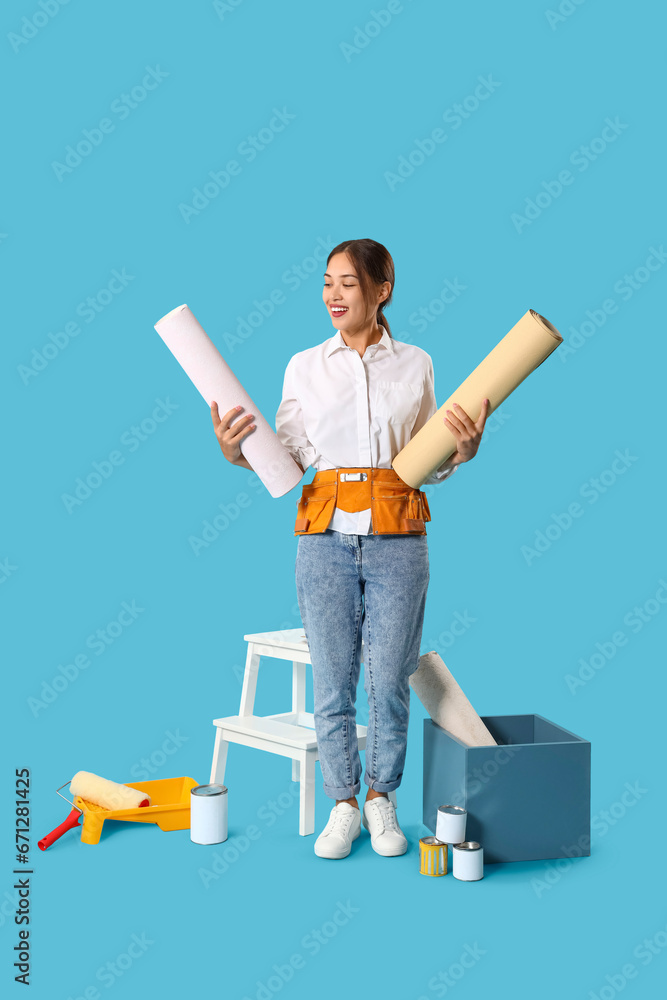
<point x="528" y="799"/>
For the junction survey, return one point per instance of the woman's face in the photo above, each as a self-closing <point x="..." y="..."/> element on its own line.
<point x="342" y="296"/>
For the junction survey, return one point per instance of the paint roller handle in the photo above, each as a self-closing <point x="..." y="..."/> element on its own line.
<point x="71" y="821"/>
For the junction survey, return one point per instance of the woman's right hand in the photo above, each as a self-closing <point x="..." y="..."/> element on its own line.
<point x="230" y="437"/>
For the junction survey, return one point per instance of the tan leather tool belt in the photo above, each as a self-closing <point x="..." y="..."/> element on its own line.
<point x="396" y="508"/>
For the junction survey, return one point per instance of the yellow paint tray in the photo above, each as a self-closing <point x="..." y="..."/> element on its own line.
<point x="170" y="809"/>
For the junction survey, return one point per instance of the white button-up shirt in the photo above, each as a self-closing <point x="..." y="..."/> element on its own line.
<point x="339" y="410"/>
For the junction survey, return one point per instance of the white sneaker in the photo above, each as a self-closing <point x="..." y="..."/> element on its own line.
<point x="379" y="818"/>
<point x="343" y="827"/>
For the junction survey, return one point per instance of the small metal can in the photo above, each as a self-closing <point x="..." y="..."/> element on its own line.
<point x="468" y="861"/>
<point x="451" y="824"/>
<point x="432" y="856"/>
<point x="208" y="814"/>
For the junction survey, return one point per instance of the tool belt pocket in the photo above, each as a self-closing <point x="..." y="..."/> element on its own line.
<point x="398" y="509"/>
<point x="315" y="508"/>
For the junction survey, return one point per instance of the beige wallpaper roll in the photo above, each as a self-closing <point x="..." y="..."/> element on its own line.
<point x="446" y="703"/>
<point x="520" y="352"/>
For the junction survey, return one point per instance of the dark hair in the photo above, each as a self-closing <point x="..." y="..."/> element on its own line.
<point x="374" y="266"/>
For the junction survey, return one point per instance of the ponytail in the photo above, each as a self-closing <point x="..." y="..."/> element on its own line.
<point x="382" y="319"/>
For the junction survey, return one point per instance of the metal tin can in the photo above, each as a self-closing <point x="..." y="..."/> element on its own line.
<point x="208" y="814"/>
<point x="451" y="824"/>
<point x="468" y="861"/>
<point x="432" y="856"/>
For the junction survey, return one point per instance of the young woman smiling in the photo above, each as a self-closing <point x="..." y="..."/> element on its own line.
<point x="349" y="405"/>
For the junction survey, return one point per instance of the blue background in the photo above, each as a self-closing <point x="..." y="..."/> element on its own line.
<point x="360" y="101"/>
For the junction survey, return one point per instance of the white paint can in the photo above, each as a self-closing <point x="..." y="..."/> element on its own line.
<point x="468" y="861"/>
<point x="451" y="824"/>
<point x="208" y="814"/>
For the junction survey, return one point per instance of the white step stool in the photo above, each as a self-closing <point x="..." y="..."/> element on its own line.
<point x="290" y="734"/>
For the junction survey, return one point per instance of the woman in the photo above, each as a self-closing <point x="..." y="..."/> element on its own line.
<point x="349" y="405"/>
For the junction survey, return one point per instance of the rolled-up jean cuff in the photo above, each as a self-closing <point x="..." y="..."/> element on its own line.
<point x="342" y="793"/>
<point x="382" y="786"/>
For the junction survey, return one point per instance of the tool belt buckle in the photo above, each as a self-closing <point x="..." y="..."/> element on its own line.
<point x="348" y="477"/>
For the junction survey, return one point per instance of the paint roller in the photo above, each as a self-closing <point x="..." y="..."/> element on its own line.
<point x="100" y="792"/>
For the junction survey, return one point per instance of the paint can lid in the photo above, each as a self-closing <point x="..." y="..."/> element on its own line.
<point x="467" y="845"/>
<point x="432" y="841"/>
<point x="209" y="790"/>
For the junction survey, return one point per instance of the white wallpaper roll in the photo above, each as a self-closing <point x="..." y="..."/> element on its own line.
<point x="520" y="352"/>
<point x="207" y="369"/>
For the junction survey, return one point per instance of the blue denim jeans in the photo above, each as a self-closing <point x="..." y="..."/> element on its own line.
<point x="349" y="586"/>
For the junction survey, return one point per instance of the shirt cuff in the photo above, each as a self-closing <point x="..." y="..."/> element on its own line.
<point x="439" y="475"/>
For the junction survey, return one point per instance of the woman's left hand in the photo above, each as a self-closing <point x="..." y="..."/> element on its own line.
<point x="468" y="434"/>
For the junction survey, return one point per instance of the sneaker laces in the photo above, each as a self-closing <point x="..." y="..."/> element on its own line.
<point x="387" y="813"/>
<point x="341" y="821"/>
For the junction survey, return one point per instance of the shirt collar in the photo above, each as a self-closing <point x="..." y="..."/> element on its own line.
<point x="337" y="342"/>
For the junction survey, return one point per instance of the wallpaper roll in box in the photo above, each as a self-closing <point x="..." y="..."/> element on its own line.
<point x="520" y="352"/>
<point x="445" y="702"/>
<point x="210" y="373"/>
